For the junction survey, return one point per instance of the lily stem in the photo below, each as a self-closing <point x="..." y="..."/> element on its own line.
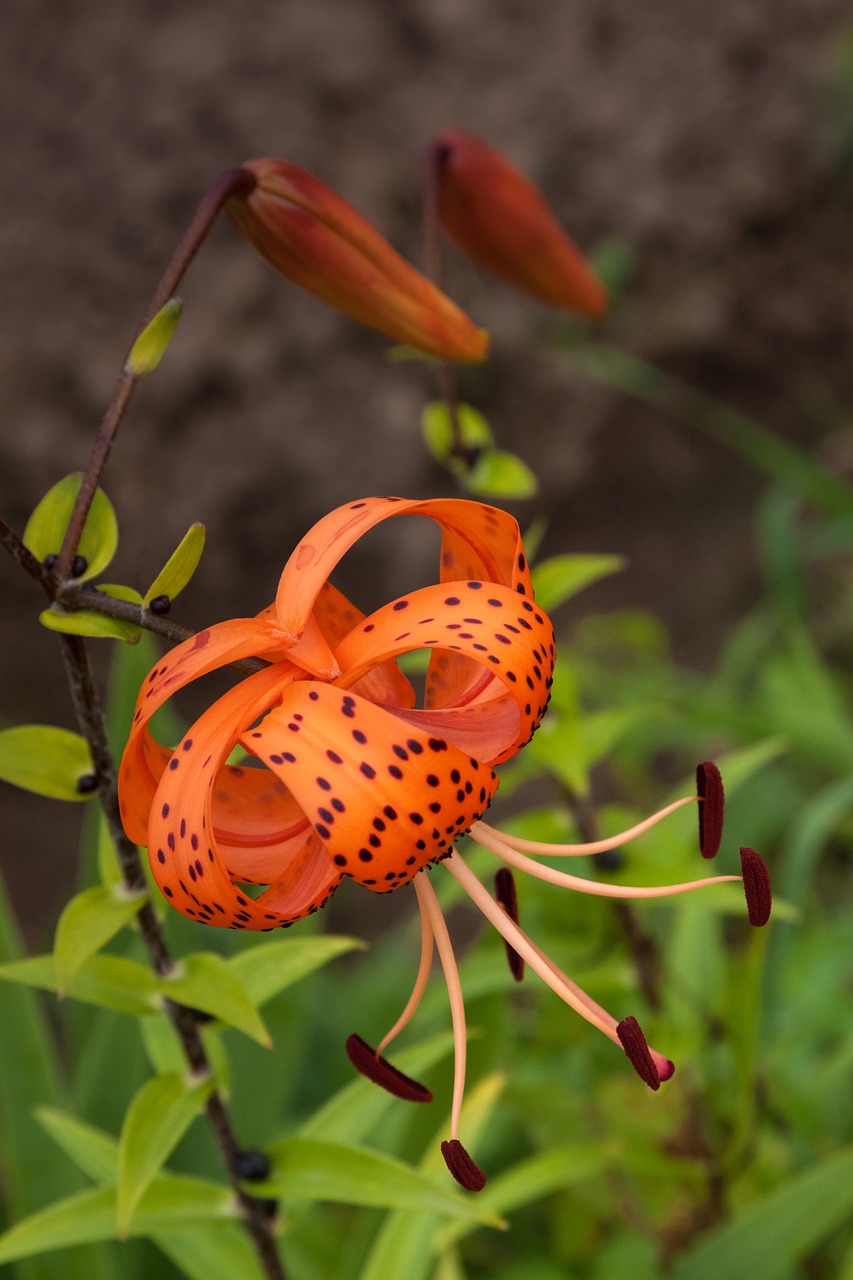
<point x="87" y="707"/>
<point x="231" y="183"/>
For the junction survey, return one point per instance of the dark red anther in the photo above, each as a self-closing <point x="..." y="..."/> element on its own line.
<point x="634" y="1043"/>
<point x="460" y="1164"/>
<point x="712" y="799"/>
<point x="506" y="896"/>
<point x="756" y="887"/>
<point x="364" y="1059"/>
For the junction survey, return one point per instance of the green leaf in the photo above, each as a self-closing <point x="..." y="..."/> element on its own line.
<point x="89" y="920"/>
<point x="500" y="474"/>
<point x="273" y="966"/>
<point x="214" y="1251"/>
<point x="206" y="981"/>
<point x="165" y="1051"/>
<point x="170" y="1202"/>
<point x="92" y="1150"/>
<point x="109" y="981"/>
<point x="437" y="426"/>
<point x="46" y="760"/>
<point x="558" y="579"/>
<point x="157" y="1119"/>
<point x="180" y="566"/>
<point x="767" y="1238"/>
<point x="46" y="526"/>
<point x="153" y="342"/>
<point x="308" y="1169"/>
<point x="83" y="622"/>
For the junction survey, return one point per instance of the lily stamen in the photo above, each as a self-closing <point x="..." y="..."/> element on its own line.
<point x="424" y="967"/>
<point x="588" y="847"/>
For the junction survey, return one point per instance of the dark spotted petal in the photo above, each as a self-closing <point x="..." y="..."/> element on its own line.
<point x="384" y="799"/>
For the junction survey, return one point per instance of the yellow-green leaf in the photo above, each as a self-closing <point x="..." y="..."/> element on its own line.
<point x="165" y="1051"/>
<point x="156" y="1120"/>
<point x="437" y="426"/>
<point x="273" y="966"/>
<point x="499" y="474"/>
<point x="46" y="526"/>
<point x="89" y="920"/>
<point x="110" y="981"/>
<point x="561" y="577"/>
<point x="92" y="1150"/>
<point x="85" y="623"/>
<point x="45" y="759"/>
<point x="153" y="342"/>
<point x="180" y="566"/>
<point x="206" y="981"/>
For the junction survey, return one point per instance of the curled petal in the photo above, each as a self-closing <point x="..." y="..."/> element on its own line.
<point x="478" y="542"/>
<point x="315" y="238"/>
<point x="182" y="848"/>
<point x="384" y="799"/>
<point x="503" y="223"/>
<point x="507" y="642"/>
<point x="143" y="761"/>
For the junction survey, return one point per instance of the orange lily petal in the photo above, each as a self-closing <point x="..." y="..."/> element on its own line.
<point x="315" y="238"/>
<point x="385" y="799"/>
<point x="502" y="222"/>
<point x="478" y="542"/>
<point x="184" y="855"/>
<point x="508" y="638"/>
<point x="143" y="760"/>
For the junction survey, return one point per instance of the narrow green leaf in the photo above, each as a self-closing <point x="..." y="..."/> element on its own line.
<point x="767" y="1238"/>
<point x="109" y="981"/>
<point x="45" y="759"/>
<point x="558" y="579"/>
<point x="83" y="622"/>
<point x="214" y="1251"/>
<point x="206" y="981"/>
<point x="93" y="1151"/>
<point x="89" y="920"/>
<point x="173" y="1202"/>
<point x="307" y="1169"/>
<point x="274" y="965"/>
<point x="156" y="1120"/>
<point x="153" y="342"/>
<point x="46" y="526"/>
<point x="180" y="567"/>
<point x="500" y="474"/>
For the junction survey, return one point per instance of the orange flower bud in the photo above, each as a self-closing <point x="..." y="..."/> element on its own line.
<point x="502" y="222"/>
<point x="314" y="237"/>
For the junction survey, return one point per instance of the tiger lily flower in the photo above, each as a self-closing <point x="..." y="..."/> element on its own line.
<point x="346" y="777"/>
<point x="503" y="223"/>
<point x="315" y="238"/>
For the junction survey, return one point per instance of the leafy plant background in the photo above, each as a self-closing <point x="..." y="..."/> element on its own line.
<point x="707" y="155"/>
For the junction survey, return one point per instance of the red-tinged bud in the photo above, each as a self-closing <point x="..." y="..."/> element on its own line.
<point x="634" y="1043"/>
<point x="709" y="786"/>
<point x="315" y="238"/>
<point x="756" y="887"/>
<point x="364" y="1059"/>
<point x="507" y="897"/>
<point x="503" y="223"/>
<point x="460" y="1164"/>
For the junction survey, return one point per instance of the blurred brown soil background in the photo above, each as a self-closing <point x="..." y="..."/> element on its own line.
<point x="712" y="140"/>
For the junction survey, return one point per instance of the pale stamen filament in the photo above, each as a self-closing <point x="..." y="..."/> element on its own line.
<point x="496" y="842"/>
<point x="429" y="904"/>
<point x="559" y="983"/>
<point x="427" y="940"/>
<point x="578" y="850"/>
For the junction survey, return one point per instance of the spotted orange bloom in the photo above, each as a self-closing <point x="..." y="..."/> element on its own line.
<point x="347" y="777"/>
